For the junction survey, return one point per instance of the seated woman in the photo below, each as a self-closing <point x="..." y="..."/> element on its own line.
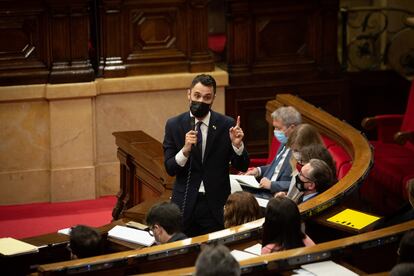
<point x="240" y="207"/>
<point x="282" y="227"/>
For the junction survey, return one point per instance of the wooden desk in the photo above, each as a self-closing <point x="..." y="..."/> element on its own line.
<point x="53" y="248"/>
<point x="142" y="175"/>
<point x="350" y="252"/>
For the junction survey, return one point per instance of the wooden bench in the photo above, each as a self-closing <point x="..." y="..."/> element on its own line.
<point x="367" y="253"/>
<point x="184" y="253"/>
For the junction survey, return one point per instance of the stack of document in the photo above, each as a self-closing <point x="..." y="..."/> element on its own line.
<point x="12" y="247"/>
<point x="131" y="235"/>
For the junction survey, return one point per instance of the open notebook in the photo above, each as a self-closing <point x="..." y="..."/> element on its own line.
<point x="131" y="235"/>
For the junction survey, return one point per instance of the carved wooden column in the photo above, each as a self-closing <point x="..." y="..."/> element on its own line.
<point x="238" y="29"/>
<point x="69" y="37"/>
<point x="200" y="58"/>
<point x="111" y="61"/>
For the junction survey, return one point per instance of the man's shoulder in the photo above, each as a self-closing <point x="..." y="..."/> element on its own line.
<point x="178" y="118"/>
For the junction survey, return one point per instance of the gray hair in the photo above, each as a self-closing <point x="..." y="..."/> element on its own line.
<point x="288" y="115"/>
<point x="216" y="260"/>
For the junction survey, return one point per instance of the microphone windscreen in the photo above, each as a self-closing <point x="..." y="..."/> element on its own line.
<point x="192" y="123"/>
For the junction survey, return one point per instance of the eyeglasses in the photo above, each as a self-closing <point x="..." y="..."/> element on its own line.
<point x="307" y="178"/>
<point x="150" y="231"/>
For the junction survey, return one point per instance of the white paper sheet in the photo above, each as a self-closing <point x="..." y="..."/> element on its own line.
<point x="262" y="202"/>
<point x="241" y="255"/>
<point x="11" y="247"/>
<point x="246" y="180"/>
<point x="65" y="231"/>
<point x="131" y="235"/>
<point x="328" y="268"/>
<point x="254" y="249"/>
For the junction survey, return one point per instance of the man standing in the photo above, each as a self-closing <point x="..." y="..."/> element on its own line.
<point x="200" y="158"/>
<point x="276" y="176"/>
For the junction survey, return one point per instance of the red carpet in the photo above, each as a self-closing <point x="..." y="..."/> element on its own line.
<point x="21" y="221"/>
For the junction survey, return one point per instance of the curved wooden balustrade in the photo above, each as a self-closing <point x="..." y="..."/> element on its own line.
<point x="337" y="250"/>
<point x="184" y="253"/>
<point x="343" y="134"/>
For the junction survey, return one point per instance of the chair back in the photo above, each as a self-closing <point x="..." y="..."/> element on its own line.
<point x="408" y="120"/>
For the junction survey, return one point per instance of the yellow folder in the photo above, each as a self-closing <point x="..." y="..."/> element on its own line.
<point x="353" y="219"/>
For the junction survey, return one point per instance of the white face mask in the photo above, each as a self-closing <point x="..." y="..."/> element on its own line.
<point x="297" y="155"/>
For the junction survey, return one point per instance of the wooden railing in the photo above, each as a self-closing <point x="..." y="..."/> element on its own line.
<point x="355" y="144"/>
<point x="344" y="251"/>
<point x="184" y="253"/>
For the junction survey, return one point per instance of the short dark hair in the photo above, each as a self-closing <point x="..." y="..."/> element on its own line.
<point x="406" y="248"/>
<point x="167" y="215"/>
<point x="282" y="224"/>
<point x="318" y="151"/>
<point x="205" y="80"/>
<point x="321" y="174"/>
<point x="85" y="241"/>
<point x="216" y="260"/>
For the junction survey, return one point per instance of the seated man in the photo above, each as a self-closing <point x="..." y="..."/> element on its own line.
<point x="216" y="260"/>
<point x="85" y="241"/>
<point x="277" y="175"/>
<point x="314" y="178"/>
<point x="164" y="221"/>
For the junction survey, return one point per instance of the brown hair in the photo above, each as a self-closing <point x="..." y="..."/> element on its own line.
<point x="304" y="135"/>
<point x="240" y="207"/>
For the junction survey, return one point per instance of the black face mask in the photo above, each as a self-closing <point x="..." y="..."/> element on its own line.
<point x="199" y="109"/>
<point x="300" y="185"/>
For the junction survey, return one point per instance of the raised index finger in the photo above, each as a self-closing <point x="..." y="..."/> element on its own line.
<point x="238" y="121"/>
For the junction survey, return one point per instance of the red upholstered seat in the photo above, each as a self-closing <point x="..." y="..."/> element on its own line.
<point x="385" y="186"/>
<point x="256" y="162"/>
<point x="340" y="156"/>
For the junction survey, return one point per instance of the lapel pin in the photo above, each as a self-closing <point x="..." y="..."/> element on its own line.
<point x="214" y="127"/>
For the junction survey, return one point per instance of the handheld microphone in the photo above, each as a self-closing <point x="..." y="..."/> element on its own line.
<point x="192" y="127"/>
<point x="192" y="123"/>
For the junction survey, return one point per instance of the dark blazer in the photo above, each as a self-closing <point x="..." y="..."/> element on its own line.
<point x="284" y="177"/>
<point x="214" y="170"/>
<point x="177" y="237"/>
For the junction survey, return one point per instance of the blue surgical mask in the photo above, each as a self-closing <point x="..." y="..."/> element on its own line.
<point x="280" y="136"/>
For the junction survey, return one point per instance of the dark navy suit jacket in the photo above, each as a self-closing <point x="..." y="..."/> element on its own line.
<point x="284" y="177"/>
<point x="213" y="171"/>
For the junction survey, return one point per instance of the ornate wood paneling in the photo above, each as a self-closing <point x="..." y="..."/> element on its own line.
<point x="23" y="52"/>
<point x="281" y="47"/>
<point x="147" y="37"/>
<point x="44" y="41"/>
